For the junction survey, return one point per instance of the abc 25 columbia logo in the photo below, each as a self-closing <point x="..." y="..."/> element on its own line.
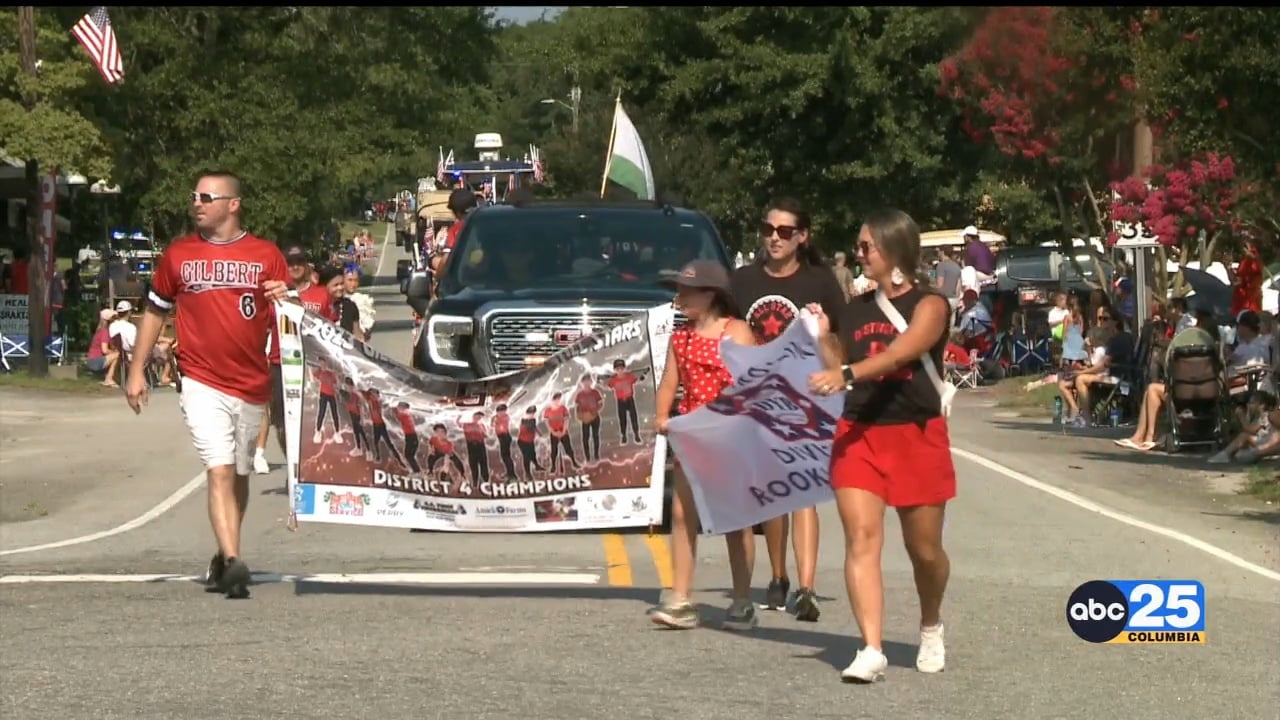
<point x="1138" y="612"/>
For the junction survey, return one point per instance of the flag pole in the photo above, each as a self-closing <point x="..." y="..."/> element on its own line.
<point x="613" y="135"/>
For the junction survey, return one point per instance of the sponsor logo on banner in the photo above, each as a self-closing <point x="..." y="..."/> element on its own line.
<point x="347" y="503"/>
<point x="304" y="499"/>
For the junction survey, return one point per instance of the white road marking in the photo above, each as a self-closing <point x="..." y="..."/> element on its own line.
<point x="165" y="505"/>
<point x="382" y="253"/>
<point x="442" y="578"/>
<point x="1116" y="515"/>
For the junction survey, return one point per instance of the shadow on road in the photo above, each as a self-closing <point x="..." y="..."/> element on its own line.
<point x="834" y="650"/>
<point x="593" y="592"/>
<point x="1269" y="518"/>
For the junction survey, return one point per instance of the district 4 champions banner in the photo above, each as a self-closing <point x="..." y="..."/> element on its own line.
<point x="567" y="445"/>
<point x="763" y="448"/>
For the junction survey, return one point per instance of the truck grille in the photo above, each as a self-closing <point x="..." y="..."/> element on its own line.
<point x="517" y="335"/>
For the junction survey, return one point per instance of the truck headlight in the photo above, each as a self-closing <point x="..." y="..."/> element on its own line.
<point x="448" y="339"/>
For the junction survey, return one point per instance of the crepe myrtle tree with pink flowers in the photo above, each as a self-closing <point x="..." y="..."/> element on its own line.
<point x="1182" y="202"/>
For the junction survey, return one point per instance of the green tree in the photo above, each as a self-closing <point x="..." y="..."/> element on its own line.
<point x="316" y="107"/>
<point x="41" y="116"/>
<point x="1210" y="81"/>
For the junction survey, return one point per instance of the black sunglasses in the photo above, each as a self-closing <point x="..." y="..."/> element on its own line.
<point x="785" y="232"/>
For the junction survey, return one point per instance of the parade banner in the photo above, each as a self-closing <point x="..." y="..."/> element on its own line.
<point x="566" y="445"/>
<point x="763" y="448"/>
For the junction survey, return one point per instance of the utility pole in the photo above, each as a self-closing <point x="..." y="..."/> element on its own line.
<point x="37" y="272"/>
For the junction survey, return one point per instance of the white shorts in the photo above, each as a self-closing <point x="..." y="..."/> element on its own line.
<point x="224" y="429"/>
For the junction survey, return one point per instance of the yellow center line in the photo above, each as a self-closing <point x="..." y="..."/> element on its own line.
<point x="619" y="565"/>
<point x="661" y="557"/>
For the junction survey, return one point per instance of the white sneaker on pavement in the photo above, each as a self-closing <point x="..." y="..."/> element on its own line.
<point x="868" y="666"/>
<point x="932" y="655"/>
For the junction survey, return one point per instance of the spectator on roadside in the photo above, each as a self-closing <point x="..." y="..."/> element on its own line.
<point x="1110" y="346"/>
<point x="844" y="276"/>
<point x="978" y="256"/>
<point x="122" y="328"/>
<point x="1260" y="436"/>
<point x="102" y="357"/>
<point x="948" y="282"/>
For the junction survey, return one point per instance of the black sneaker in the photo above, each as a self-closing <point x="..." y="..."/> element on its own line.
<point x="235" y="579"/>
<point x="775" y="598"/>
<point x="807" y="606"/>
<point x="213" y="575"/>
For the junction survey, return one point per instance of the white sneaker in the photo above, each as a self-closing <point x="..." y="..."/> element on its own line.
<point x="868" y="666"/>
<point x="932" y="656"/>
<point x="337" y="438"/>
<point x="260" y="464"/>
<point x="357" y="452"/>
<point x="317" y="438"/>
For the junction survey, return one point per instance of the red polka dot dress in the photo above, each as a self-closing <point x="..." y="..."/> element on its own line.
<point x="700" y="368"/>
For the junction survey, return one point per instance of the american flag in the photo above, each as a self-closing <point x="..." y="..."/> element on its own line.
<point x="99" y="40"/>
<point x="539" y="172"/>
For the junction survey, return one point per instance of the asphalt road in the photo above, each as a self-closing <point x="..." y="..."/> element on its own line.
<point x="553" y="626"/>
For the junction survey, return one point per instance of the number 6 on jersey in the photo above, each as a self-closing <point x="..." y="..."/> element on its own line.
<point x="248" y="306"/>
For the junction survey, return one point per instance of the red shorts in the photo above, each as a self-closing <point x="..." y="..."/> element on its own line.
<point x="906" y="465"/>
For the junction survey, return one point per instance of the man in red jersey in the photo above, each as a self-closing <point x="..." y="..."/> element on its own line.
<point x="218" y="278"/>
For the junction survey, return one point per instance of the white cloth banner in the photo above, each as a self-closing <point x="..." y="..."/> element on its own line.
<point x="763" y="448"/>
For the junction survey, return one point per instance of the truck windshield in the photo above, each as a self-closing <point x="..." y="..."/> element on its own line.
<point x="580" y="248"/>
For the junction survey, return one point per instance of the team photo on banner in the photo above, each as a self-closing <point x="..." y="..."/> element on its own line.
<point x="566" y="445"/>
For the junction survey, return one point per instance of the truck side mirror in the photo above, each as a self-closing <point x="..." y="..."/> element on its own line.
<point x="417" y="291"/>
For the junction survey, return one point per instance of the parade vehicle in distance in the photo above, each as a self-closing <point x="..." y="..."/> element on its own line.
<point x="491" y="176"/>
<point x="524" y="282"/>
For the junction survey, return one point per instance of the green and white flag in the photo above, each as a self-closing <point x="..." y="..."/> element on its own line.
<point x="628" y="163"/>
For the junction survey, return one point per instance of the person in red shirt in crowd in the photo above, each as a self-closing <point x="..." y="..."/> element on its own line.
<point x="587" y="401"/>
<point x="502" y="429"/>
<point x="623" y="385"/>
<point x="461" y="202"/>
<point x="1246" y="290"/>
<point x="217" y="278"/>
<point x="477" y="454"/>
<point x="312" y="296"/>
<point x="317" y="299"/>
<point x="556" y="415"/>
<point x="409" y="426"/>
<point x="19" y="273"/>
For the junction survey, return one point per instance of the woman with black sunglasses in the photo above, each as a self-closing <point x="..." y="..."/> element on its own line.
<point x="788" y="274"/>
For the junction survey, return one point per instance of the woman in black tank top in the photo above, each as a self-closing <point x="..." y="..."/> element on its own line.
<point x="891" y="447"/>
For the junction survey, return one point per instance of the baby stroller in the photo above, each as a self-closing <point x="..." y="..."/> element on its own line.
<point x="1196" y="392"/>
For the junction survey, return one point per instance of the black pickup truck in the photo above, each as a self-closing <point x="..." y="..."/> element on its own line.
<point x="523" y="280"/>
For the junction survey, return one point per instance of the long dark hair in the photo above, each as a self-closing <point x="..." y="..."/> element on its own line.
<point x="897" y="237"/>
<point x="326" y="273"/>
<point x="806" y="253"/>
